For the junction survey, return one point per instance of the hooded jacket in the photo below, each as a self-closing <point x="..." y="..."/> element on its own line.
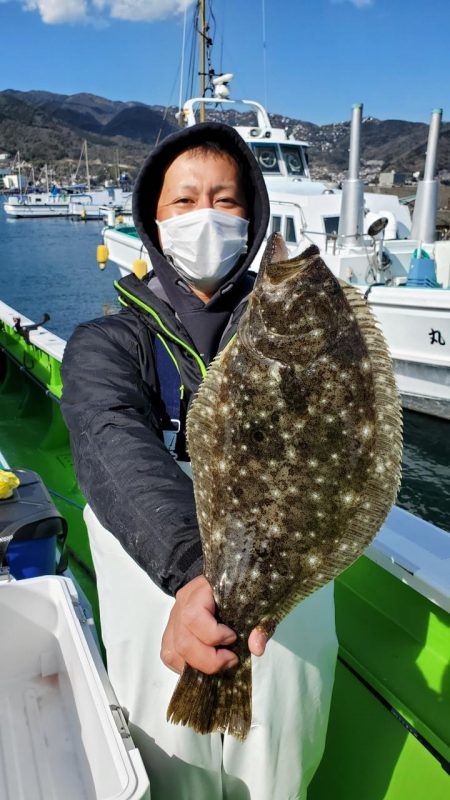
<point x="115" y="392"/>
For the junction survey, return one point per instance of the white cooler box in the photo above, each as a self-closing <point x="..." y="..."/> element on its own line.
<point x="62" y="734"/>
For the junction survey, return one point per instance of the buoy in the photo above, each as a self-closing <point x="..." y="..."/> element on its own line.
<point x="102" y="255"/>
<point x="83" y="215"/>
<point x="140" y="267"/>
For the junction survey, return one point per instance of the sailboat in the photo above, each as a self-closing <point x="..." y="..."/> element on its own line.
<point x="95" y="204"/>
<point x="388" y="734"/>
<point x="52" y="203"/>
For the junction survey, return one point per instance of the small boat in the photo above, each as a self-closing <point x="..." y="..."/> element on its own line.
<point x="388" y="735"/>
<point x="34" y="204"/>
<point x="95" y="204"/>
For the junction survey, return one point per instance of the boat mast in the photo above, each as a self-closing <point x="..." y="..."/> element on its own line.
<point x="19" y="172"/>
<point x="202" y="56"/>
<point x="88" y="177"/>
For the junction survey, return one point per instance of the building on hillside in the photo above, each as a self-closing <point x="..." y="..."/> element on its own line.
<point x="393" y="178"/>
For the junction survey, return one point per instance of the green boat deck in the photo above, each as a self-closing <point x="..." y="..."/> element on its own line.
<point x="389" y="730"/>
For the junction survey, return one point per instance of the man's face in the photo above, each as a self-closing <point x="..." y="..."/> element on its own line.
<point x="201" y="180"/>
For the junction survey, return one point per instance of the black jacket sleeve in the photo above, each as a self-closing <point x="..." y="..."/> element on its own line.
<point x="130" y="480"/>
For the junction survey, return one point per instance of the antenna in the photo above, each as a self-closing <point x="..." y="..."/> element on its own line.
<point x="220" y="83"/>
<point x="264" y="51"/>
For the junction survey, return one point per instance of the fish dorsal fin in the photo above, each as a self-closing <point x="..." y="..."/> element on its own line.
<point x="200" y="414"/>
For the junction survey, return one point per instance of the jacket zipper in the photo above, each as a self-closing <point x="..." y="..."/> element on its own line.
<point x="149" y="310"/>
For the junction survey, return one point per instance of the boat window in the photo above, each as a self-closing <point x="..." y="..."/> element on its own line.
<point x="290" y="230"/>
<point x="293" y="158"/>
<point x="276" y="225"/>
<point x="331" y="225"/>
<point x="267" y="157"/>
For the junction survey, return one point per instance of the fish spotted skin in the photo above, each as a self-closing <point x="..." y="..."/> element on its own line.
<point x="295" y="438"/>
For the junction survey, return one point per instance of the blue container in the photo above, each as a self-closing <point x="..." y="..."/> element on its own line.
<point x="422" y="273"/>
<point x="36" y="526"/>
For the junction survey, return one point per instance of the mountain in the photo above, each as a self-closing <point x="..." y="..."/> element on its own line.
<point x="49" y="128"/>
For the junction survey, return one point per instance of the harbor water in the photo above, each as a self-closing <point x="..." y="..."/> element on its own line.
<point x="48" y="265"/>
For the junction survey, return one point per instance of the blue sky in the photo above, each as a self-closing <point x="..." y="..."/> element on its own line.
<point x="320" y="56"/>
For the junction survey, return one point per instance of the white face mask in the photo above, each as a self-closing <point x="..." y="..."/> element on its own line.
<point x="204" y="245"/>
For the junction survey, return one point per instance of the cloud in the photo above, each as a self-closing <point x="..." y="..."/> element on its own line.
<point x="142" y="10"/>
<point x="56" y="12"/>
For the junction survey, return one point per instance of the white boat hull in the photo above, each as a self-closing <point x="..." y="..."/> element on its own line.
<point x="416" y="324"/>
<point x="35" y="210"/>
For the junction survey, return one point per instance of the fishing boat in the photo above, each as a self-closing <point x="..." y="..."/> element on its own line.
<point x="367" y="239"/>
<point x="95" y="205"/>
<point x="52" y="203"/>
<point x="388" y="734"/>
<point x="407" y="280"/>
<point x="34" y="204"/>
<point x="62" y="731"/>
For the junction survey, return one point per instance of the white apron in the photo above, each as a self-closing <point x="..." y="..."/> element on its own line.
<point x="292" y="685"/>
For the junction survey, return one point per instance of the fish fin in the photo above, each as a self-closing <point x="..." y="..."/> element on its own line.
<point x="207" y="397"/>
<point x="220" y="702"/>
<point x="274" y="252"/>
<point x="277" y="249"/>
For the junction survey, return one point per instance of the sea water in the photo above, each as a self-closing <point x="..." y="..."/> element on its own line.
<point x="48" y="265"/>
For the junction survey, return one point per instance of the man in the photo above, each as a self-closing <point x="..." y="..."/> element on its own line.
<point x="200" y="206"/>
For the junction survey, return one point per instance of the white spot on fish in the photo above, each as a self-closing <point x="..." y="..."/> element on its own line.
<point x="274" y="530"/>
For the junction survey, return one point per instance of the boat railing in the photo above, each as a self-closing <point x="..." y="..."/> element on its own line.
<point x="194" y="103"/>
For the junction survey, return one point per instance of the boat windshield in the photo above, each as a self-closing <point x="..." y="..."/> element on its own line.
<point x="271" y="157"/>
<point x="293" y="158"/>
<point x="267" y="157"/>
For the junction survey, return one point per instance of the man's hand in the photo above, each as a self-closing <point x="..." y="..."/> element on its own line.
<point x="193" y="634"/>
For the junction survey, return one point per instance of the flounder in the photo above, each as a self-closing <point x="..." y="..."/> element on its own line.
<point x="295" y="439"/>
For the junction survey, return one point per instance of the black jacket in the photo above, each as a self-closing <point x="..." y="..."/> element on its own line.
<point x="112" y="399"/>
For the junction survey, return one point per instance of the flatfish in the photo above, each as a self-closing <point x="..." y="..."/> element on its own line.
<point x="295" y="438"/>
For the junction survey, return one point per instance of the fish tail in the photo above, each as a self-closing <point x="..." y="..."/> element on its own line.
<point x="220" y="702"/>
